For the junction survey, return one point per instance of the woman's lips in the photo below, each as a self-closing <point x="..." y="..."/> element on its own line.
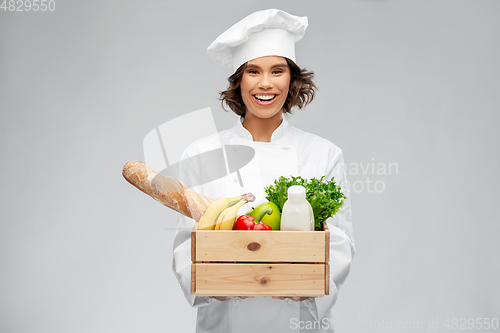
<point x="264" y="100"/>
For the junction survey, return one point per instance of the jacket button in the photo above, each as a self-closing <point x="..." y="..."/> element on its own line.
<point x="289" y="300"/>
<point x="285" y="147"/>
<point x="238" y="301"/>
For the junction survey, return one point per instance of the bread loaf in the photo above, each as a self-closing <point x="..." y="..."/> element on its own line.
<point x="167" y="190"/>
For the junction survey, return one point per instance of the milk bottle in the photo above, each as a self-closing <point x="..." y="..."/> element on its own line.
<point x="297" y="212"/>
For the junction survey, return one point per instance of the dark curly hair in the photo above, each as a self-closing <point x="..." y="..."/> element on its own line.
<point x="300" y="93"/>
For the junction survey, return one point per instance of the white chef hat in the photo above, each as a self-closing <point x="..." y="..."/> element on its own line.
<point x="263" y="33"/>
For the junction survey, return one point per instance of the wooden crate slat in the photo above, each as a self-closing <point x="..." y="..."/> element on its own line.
<point x="193" y="242"/>
<point x="327" y="242"/>
<point x="260" y="246"/>
<point x="327" y="279"/>
<point x="227" y="279"/>
<point x="193" y="278"/>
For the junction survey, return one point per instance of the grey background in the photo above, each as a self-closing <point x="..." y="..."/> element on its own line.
<point x="409" y="82"/>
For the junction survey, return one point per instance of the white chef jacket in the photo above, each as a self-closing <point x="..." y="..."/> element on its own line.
<point x="290" y="152"/>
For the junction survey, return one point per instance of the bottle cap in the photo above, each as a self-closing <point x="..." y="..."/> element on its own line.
<point x="296" y="192"/>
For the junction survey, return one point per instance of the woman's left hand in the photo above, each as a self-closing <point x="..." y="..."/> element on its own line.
<point x="227" y="298"/>
<point x="294" y="298"/>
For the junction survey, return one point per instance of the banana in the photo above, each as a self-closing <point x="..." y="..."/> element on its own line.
<point x="227" y="218"/>
<point x="208" y="220"/>
<point x="221" y="218"/>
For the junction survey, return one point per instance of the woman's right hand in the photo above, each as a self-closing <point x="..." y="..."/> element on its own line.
<point x="222" y="298"/>
<point x="227" y="298"/>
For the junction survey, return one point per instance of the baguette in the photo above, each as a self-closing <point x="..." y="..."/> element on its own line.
<point x="166" y="190"/>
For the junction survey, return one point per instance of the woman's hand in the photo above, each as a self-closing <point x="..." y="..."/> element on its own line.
<point x="227" y="298"/>
<point x="294" y="298"/>
<point x="221" y="298"/>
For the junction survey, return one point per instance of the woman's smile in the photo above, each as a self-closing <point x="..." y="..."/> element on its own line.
<point x="265" y="99"/>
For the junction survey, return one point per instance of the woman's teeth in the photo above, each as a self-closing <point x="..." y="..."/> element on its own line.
<point x="264" y="98"/>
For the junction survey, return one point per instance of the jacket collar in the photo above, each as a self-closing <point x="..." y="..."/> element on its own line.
<point x="278" y="133"/>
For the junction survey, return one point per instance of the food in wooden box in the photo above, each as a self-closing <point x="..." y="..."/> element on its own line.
<point x="260" y="263"/>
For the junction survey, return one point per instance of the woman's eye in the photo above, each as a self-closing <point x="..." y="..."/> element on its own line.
<point x="278" y="71"/>
<point x="252" y="71"/>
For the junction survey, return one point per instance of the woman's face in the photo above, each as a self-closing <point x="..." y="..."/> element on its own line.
<point x="264" y="85"/>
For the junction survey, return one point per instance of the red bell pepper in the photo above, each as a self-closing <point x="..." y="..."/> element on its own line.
<point x="245" y="222"/>
<point x="261" y="226"/>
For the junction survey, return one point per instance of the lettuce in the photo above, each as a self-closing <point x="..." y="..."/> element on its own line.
<point x="325" y="197"/>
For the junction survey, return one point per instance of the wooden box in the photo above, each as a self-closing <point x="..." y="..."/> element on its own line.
<point x="260" y="263"/>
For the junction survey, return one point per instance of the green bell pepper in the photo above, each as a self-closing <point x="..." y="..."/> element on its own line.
<point x="270" y="212"/>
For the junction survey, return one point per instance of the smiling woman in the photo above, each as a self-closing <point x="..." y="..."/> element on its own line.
<point x="301" y="90"/>
<point x="262" y="89"/>
<point x="266" y="84"/>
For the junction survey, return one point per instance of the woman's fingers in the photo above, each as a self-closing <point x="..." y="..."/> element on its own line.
<point x="222" y="298"/>
<point x="294" y="298"/>
<point x="226" y="298"/>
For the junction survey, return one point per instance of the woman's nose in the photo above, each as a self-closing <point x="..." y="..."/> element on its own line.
<point x="265" y="82"/>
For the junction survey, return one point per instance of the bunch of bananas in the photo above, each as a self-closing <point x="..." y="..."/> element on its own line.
<point x="222" y="212"/>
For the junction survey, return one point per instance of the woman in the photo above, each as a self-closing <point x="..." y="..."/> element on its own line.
<point x="267" y="84"/>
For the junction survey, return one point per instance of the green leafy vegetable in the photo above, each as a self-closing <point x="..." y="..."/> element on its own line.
<point x="325" y="197"/>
